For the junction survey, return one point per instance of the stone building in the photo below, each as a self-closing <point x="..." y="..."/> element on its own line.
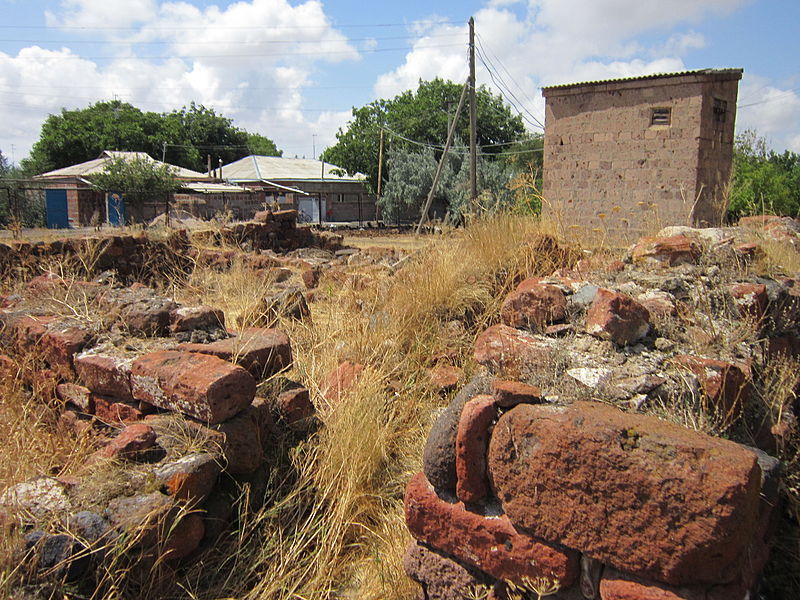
<point x="631" y="155"/>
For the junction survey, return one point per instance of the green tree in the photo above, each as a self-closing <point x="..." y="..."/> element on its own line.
<point x="75" y="136"/>
<point x="763" y="182"/>
<point x="422" y="116"/>
<point x="200" y="131"/>
<point x="138" y="180"/>
<point x="187" y="136"/>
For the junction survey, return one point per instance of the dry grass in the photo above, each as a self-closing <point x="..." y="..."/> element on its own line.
<point x="333" y="526"/>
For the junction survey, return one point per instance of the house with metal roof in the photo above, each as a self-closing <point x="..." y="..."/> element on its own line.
<point x="72" y="200"/>
<point x="626" y="156"/>
<point x="320" y="191"/>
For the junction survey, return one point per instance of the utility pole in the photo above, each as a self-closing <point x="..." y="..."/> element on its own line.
<point x="451" y="131"/>
<point x="314" y="146"/>
<point x="380" y="176"/>
<point x="164" y="152"/>
<point x="473" y="117"/>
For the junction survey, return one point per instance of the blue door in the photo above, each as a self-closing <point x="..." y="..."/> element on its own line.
<point x="56" y="203"/>
<point x="115" y="209"/>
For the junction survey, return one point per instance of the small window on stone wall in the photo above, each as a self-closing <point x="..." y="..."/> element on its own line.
<point x="661" y="116"/>
<point x="720" y="110"/>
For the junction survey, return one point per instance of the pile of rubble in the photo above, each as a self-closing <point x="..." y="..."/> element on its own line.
<point x="168" y="395"/>
<point x="551" y="472"/>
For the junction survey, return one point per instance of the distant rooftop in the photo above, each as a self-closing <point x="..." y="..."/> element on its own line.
<point x="276" y="168"/>
<point x="706" y="73"/>
<point x="92" y="167"/>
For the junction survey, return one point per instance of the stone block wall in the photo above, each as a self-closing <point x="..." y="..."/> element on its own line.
<point x="607" y="169"/>
<point x="567" y="467"/>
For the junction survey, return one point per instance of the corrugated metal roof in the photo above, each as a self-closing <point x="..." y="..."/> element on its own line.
<point x="276" y="168"/>
<point x="646" y="77"/>
<point x="91" y="167"/>
<point x="215" y="188"/>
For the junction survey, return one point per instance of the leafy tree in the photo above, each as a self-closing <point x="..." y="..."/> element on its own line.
<point x="763" y="182"/>
<point x="187" y="135"/>
<point x="421" y="116"/>
<point x="76" y="136"/>
<point x="138" y="180"/>
<point x="200" y="131"/>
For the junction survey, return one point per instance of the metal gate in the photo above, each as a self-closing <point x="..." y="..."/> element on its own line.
<point x="56" y="209"/>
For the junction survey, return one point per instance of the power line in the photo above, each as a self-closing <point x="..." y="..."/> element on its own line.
<point x="207" y="26"/>
<point x="464" y="152"/>
<point x="511" y="77"/>
<point x="320" y="52"/>
<point x="227" y="43"/>
<point x="777" y="96"/>
<point x="150" y="103"/>
<point x="506" y="92"/>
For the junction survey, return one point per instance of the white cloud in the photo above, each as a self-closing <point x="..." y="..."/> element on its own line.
<point x="771" y="111"/>
<point x="102" y="14"/>
<point x="250" y="60"/>
<point x="558" y="41"/>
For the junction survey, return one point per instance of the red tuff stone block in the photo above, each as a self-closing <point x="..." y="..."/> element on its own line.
<point x="184" y="537"/>
<point x="190" y="478"/>
<point x="511" y="352"/>
<point x="263" y="352"/>
<point x="295" y="407"/>
<point x="749" y="251"/>
<point x="666" y="251"/>
<point x="105" y="375"/>
<point x="199" y="385"/>
<point x="189" y="318"/>
<point x="445" y="378"/>
<point x="533" y="305"/>
<point x="654" y="499"/>
<point x="617" y="317"/>
<point x="510" y="393"/>
<point x="60" y="345"/>
<point x="490" y="543"/>
<point x="472" y="441"/>
<point x="110" y="411"/>
<point x="725" y="386"/>
<point x="310" y="278"/>
<point x="77" y="395"/>
<point x="242" y="442"/>
<point x="617" y="586"/>
<point x="131" y="443"/>
<point x="340" y="381"/>
<point x="751" y="299"/>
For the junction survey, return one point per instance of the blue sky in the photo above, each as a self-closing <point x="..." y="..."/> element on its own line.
<point x="293" y="70"/>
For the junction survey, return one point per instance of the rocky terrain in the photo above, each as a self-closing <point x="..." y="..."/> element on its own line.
<point x="555" y="472"/>
<point x="627" y="429"/>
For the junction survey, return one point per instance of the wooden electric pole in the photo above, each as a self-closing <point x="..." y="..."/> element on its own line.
<point x="380" y="177"/>
<point x="473" y="118"/>
<point x="450" y="133"/>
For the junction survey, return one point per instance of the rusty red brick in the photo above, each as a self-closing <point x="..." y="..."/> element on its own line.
<point x="105" y="374"/>
<point x="533" y="305"/>
<point x="340" y="381"/>
<point x="510" y="393"/>
<point x="262" y="352"/>
<point x="490" y="543"/>
<point x="472" y="441"/>
<point x="199" y="385"/>
<point x="617" y="317"/>
<point x="655" y="499"/>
